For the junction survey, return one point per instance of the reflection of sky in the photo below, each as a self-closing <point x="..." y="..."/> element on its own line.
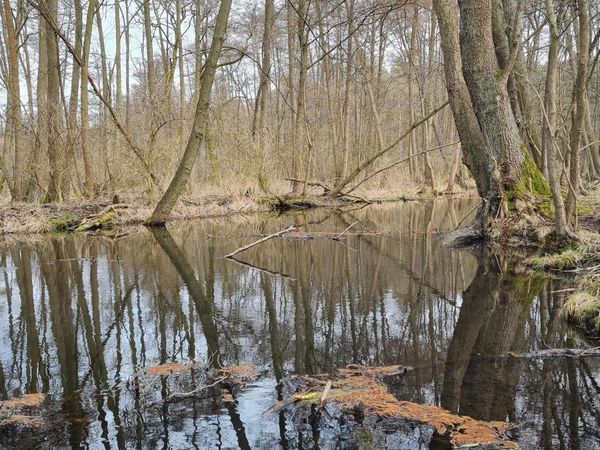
<point x="388" y="329"/>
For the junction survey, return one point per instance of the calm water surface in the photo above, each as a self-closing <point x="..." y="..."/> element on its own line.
<point x="80" y="315"/>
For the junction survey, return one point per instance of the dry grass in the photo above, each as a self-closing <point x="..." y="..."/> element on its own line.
<point x="583" y="307"/>
<point x="26" y="218"/>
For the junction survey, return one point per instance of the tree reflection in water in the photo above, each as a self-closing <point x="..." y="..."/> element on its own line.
<point x="84" y="314"/>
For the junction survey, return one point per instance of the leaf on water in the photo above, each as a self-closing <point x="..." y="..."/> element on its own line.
<point x="358" y="388"/>
<point x="167" y="369"/>
<point x="23" y="421"/>
<point x="238" y="372"/>
<point x="27" y="400"/>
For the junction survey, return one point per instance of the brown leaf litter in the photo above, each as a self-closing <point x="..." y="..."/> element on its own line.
<point x="17" y="411"/>
<point x="361" y="389"/>
<point x="168" y="369"/>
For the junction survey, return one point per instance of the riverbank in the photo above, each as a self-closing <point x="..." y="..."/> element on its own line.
<point x="31" y="218"/>
<point x="579" y="264"/>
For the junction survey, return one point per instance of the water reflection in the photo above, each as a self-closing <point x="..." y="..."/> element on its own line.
<point x="82" y="315"/>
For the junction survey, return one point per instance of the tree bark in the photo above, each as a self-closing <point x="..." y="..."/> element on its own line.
<point x="88" y="169"/>
<point x="258" y="121"/>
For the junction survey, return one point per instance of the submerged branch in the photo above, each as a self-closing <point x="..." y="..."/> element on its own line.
<point x="260" y="241"/>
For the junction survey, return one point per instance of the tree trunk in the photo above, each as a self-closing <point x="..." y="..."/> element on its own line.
<point x="471" y="138"/>
<point x="14" y="119"/>
<point x="56" y="189"/>
<point x="150" y="73"/>
<point x="412" y="50"/>
<point x="258" y="121"/>
<point x="88" y="170"/>
<point x="579" y="97"/>
<point x="549" y="144"/>
<point x="487" y="84"/>
<point x="177" y="185"/>
<point x="118" y="80"/>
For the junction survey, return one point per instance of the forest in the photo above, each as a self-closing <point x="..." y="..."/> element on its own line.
<point x="260" y="224"/>
<point x="105" y="100"/>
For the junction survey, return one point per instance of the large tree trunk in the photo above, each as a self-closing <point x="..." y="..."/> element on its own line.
<point x="492" y="146"/>
<point x="471" y="138"/>
<point x="177" y="185"/>
<point x="487" y="84"/>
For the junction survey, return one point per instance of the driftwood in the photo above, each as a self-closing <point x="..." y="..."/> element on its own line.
<point x="260" y="241"/>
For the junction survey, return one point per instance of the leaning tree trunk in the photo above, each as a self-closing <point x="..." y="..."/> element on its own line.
<point x="471" y="138"/>
<point x="167" y="202"/>
<point x="487" y="84"/>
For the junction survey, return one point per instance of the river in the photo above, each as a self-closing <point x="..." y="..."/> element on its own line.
<point x="81" y="315"/>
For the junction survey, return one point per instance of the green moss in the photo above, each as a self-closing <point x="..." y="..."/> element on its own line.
<point x="105" y="221"/>
<point x="583" y="210"/>
<point x="546" y="208"/>
<point x="532" y="180"/>
<point x="65" y="223"/>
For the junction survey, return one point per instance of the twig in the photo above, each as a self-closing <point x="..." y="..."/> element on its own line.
<point x="262" y="269"/>
<point x="260" y="241"/>
<point x="178" y="396"/>
<point x="467" y="215"/>
<point x="347" y="228"/>
<point x="325" y="393"/>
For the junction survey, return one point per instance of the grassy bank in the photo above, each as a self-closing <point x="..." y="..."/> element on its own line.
<point x="79" y="215"/>
<point x="579" y="263"/>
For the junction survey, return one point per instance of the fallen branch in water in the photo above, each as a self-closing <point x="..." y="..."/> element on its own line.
<point x="347" y="228"/>
<point x="558" y="353"/>
<point x="261" y="269"/>
<point x="179" y="396"/>
<point x="260" y="241"/>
